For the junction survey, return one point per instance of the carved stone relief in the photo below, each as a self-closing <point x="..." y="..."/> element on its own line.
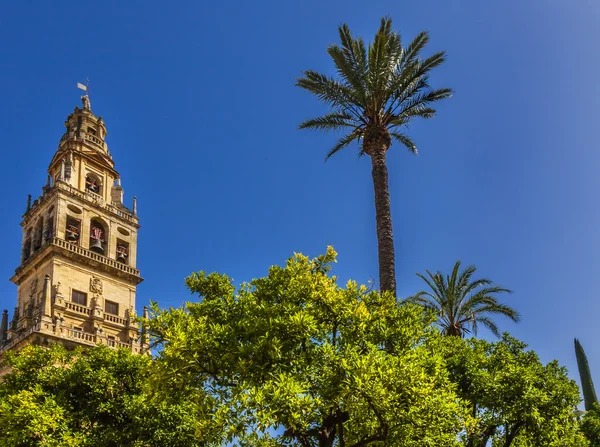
<point x="96" y="285"/>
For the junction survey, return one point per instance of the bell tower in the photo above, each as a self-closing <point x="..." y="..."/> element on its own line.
<point x="77" y="277"/>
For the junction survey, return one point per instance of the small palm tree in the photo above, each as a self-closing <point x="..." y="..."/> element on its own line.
<point x="380" y="90"/>
<point x="461" y="304"/>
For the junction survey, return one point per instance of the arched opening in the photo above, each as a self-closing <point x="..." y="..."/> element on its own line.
<point x="39" y="234"/>
<point x="73" y="230"/>
<point x="50" y="224"/>
<point x="93" y="183"/>
<point x="98" y="236"/>
<point x="122" y="251"/>
<point x="27" y="245"/>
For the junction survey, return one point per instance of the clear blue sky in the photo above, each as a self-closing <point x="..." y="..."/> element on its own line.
<point x="202" y="113"/>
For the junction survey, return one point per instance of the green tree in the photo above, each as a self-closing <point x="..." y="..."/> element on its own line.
<point x="517" y="400"/>
<point x="590" y="425"/>
<point x="380" y="90"/>
<point x="294" y="359"/>
<point x="97" y="397"/>
<point x="587" y="384"/>
<point x="461" y="304"/>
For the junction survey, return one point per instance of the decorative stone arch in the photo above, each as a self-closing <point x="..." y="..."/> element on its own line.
<point x="99" y="235"/>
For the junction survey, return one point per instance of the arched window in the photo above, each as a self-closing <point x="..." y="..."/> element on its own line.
<point x="50" y="224"/>
<point x="122" y="251"/>
<point x="27" y="246"/>
<point x="93" y="183"/>
<point x="39" y="234"/>
<point x="98" y="236"/>
<point x="72" y="230"/>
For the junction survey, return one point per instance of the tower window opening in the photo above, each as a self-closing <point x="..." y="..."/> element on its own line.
<point x="93" y="183"/>
<point x="111" y="308"/>
<point x="122" y="251"/>
<point x="50" y="228"/>
<point x="78" y="297"/>
<point x="39" y="234"/>
<point x="73" y="230"/>
<point x="91" y="131"/>
<point x="98" y="237"/>
<point x="27" y="246"/>
<point x="50" y="225"/>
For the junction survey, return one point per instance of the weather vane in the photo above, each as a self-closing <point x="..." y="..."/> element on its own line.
<point x="85" y="99"/>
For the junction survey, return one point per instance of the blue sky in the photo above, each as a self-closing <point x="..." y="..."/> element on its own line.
<point x="202" y="114"/>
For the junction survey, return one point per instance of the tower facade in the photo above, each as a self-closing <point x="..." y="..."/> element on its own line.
<point x="77" y="277"/>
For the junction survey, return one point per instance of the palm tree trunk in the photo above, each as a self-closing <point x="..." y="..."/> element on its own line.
<point x="385" y="238"/>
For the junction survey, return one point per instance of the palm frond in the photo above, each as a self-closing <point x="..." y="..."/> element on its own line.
<point x="406" y="141"/>
<point x="431" y="62"/>
<point x="351" y="61"/>
<point x="425" y="299"/>
<point x="432" y="286"/>
<point x="501" y="309"/>
<point x="384" y="55"/>
<point x="342" y="143"/>
<point x="327" y="89"/>
<point x="330" y="121"/>
<point x="414" y="48"/>
<point x="490" y="324"/>
<point x="423" y="99"/>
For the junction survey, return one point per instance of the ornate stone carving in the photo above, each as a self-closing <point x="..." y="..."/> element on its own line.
<point x="95" y="285"/>
<point x="85" y="100"/>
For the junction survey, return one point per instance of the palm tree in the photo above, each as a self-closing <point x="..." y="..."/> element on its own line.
<point x="380" y="90"/>
<point x="461" y="304"/>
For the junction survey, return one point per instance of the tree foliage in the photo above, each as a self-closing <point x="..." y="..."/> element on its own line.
<point x="96" y="397"/>
<point x="590" y="425"/>
<point x="587" y="384"/>
<point x="292" y="359"/>
<point x="296" y="359"/>
<point x="517" y="400"/>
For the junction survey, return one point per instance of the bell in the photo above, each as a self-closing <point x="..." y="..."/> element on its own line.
<point x="121" y="257"/>
<point x="71" y="236"/>
<point x="97" y="246"/>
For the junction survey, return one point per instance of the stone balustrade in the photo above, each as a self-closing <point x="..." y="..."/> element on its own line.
<point x="94" y="256"/>
<point x="78" y="308"/>
<point x="114" y="319"/>
<point x="94" y="139"/>
<point x="81" y="336"/>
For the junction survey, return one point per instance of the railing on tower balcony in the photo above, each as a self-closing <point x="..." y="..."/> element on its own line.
<point x="114" y="319"/>
<point x="94" y="256"/>
<point x="82" y="336"/>
<point x="94" y="139"/>
<point x="73" y="334"/>
<point x="78" y="308"/>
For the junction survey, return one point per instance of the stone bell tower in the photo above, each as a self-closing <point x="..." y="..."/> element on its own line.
<point x="77" y="277"/>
